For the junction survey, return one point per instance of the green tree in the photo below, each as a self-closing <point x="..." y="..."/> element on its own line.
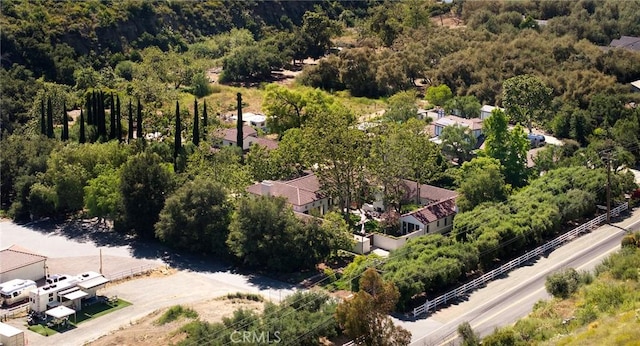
<point x="130" y="123"/>
<point x="196" y="218"/>
<point x="438" y="95"/>
<point x="286" y="108"/>
<point x="261" y="230"/>
<point x="65" y="122"/>
<point x="82" y="137"/>
<point x="43" y="119"/>
<point x="144" y="184"/>
<point x="49" y="118"/>
<point x="458" y="142"/>
<point x="139" y="122"/>
<point x="177" y="136"/>
<point x="102" y="195"/>
<point x="481" y="181"/>
<point x="562" y="284"/>
<point x="464" y="106"/>
<point x="364" y="317"/>
<point x="112" y="119"/>
<point x="525" y="98"/>
<point x="317" y="29"/>
<point x="402" y="107"/>
<point x="200" y="85"/>
<point x="338" y="150"/>
<point x="509" y="147"/>
<point x="196" y="124"/>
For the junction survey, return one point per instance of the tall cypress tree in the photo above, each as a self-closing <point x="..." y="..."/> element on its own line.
<point x="177" y="138"/>
<point x="82" y="138"/>
<point x="103" y="116"/>
<point x="130" y="121"/>
<point x="65" y="122"/>
<point x="240" y="137"/>
<point x="49" y="118"/>
<point x="94" y="109"/>
<point x="196" y="127"/>
<point x="88" y="106"/>
<point x="43" y="118"/>
<point x="112" y="119"/>
<point x="205" y="121"/>
<point x="139" y="121"/>
<point x="118" y="119"/>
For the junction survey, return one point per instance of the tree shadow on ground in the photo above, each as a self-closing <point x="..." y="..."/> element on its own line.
<point x="101" y="234"/>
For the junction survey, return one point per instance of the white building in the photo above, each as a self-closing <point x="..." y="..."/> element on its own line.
<point x="486" y="110"/>
<point x="19" y="263"/>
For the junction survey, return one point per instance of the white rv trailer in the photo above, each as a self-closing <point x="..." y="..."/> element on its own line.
<point x="15" y="291"/>
<point x="67" y="291"/>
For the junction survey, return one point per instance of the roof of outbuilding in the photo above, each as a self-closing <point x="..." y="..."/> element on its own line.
<point x="434" y="212"/>
<point x="16" y="257"/>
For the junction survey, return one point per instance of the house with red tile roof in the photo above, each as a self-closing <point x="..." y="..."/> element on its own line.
<point x="303" y="193"/>
<point x="229" y="137"/>
<point x="436" y="217"/>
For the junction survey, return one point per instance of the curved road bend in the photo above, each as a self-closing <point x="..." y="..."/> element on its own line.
<point x="504" y="301"/>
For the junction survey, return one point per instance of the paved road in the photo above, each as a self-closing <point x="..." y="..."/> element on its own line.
<point x="72" y="250"/>
<point x="504" y="301"/>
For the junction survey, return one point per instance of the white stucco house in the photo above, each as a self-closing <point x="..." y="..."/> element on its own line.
<point x="475" y="124"/>
<point x="486" y="110"/>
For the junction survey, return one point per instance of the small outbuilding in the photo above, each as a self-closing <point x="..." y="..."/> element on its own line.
<point x="11" y="336"/>
<point x="19" y="263"/>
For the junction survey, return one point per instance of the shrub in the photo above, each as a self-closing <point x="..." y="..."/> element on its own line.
<point x="329" y="273"/>
<point x="563" y="284"/>
<point x="174" y="313"/>
<point x="586" y="314"/>
<point x="469" y="337"/>
<point x="247" y="296"/>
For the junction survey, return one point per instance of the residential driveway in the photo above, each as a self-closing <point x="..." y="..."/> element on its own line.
<point x="72" y="250"/>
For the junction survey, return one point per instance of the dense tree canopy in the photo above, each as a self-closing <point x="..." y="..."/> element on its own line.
<point x="196" y="218"/>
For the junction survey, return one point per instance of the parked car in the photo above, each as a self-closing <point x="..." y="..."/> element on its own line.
<point x="536" y="140"/>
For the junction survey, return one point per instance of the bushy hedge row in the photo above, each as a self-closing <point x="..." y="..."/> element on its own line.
<point x="497" y="231"/>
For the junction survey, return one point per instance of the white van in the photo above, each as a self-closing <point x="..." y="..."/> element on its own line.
<point x="16" y="290"/>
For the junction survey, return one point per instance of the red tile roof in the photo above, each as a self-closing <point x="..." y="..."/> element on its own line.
<point x="429" y="192"/>
<point x="298" y="192"/>
<point x="17" y="257"/>
<point x="231" y="134"/>
<point x="435" y="211"/>
<point x="270" y="144"/>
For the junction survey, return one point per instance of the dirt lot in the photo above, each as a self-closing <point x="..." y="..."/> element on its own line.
<point x="146" y="332"/>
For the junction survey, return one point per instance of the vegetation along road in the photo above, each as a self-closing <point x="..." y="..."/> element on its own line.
<point x="504" y="301"/>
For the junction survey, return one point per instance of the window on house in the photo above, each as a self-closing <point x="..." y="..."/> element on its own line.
<point x="427" y="228"/>
<point x="445" y="221"/>
<point x="438" y="223"/>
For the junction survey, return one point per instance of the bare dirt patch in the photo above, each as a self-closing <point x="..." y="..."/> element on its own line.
<point x="146" y="332"/>
<point x="448" y="20"/>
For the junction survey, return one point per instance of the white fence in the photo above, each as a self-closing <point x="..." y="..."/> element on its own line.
<point x="125" y="274"/>
<point x="431" y="305"/>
